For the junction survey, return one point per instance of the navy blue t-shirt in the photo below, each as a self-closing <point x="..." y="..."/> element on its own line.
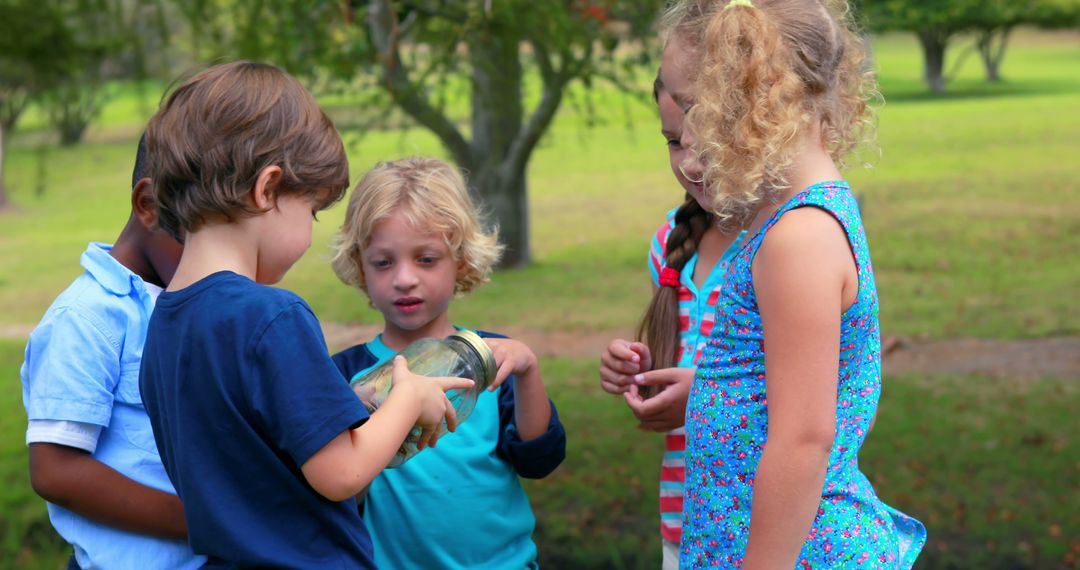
<point x="241" y="392"/>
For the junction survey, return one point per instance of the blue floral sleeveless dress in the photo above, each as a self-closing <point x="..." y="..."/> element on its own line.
<point x="727" y="422"/>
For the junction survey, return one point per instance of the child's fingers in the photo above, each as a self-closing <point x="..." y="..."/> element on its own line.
<point x="399" y="367"/>
<point x="622" y="350"/>
<point x="642" y="350"/>
<point x="425" y="436"/>
<point x="663" y="376"/>
<point x="451" y="416"/>
<point x="621" y="365"/>
<point x="452" y="382"/>
<point x="505" y="369"/>
<point x="634" y="402"/>
<point x="613" y="382"/>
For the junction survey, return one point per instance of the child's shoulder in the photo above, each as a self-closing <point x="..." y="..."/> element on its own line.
<point x="355" y="359"/>
<point x="86" y="300"/>
<point x="228" y="292"/>
<point x="661" y="235"/>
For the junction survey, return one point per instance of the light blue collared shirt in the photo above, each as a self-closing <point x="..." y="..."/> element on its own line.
<point x="82" y="365"/>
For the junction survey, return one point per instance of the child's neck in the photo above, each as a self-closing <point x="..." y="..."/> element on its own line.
<point x="213" y="248"/>
<point x="813" y="165"/>
<point x="396" y="338"/>
<point x="128" y="252"/>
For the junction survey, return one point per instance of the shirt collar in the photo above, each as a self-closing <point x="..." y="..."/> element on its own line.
<point x="106" y="270"/>
<point x="379" y="349"/>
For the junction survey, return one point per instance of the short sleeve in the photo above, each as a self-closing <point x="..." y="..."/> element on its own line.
<point x="656" y="251"/>
<point x="71" y="370"/>
<point x="298" y="394"/>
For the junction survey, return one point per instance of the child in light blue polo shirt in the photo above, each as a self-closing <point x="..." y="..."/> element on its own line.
<point x="92" y="451"/>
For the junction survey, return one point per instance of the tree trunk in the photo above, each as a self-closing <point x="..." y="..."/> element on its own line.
<point x="72" y="131"/>
<point x="3" y="158"/>
<point x="993" y="52"/>
<point x="505" y="196"/>
<point x="933" y="44"/>
<point x="497" y="118"/>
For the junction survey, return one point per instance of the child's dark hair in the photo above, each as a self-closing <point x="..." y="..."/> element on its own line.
<point x="220" y="129"/>
<point x="139" y="172"/>
<point x="659" y="327"/>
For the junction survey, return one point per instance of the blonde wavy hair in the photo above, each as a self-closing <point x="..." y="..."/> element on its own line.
<point x="433" y="197"/>
<point x="766" y="73"/>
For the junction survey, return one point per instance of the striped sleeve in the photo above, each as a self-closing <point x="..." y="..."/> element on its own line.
<point x="656" y="250"/>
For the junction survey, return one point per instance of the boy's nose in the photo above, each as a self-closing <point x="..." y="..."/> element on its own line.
<point x="405" y="278"/>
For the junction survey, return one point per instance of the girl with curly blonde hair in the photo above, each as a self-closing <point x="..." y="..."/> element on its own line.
<point x="775" y="94"/>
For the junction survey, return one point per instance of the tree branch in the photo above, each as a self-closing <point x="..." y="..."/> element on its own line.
<point x="554" y="83"/>
<point x="385" y="34"/>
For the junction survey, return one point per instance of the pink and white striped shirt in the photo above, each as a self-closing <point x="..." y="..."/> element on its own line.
<point x="697" y="314"/>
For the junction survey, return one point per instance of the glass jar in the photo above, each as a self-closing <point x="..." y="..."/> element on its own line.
<point x="462" y="353"/>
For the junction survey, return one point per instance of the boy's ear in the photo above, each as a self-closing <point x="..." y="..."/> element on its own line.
<point x="265" y="183"/>
<point x="142" y="203"/>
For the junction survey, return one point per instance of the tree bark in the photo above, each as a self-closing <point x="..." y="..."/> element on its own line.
<point x="933" y="43"/>
<point x="496" y="123"/>
<point x="495" y="159"/>
<point x="992" y="45"/>
<point x="3" y="159"/>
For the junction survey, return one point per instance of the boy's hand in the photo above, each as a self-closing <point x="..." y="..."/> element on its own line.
<point x="511" y="357"/>
<point x="430" y="393"/>
<point x="621" y="362"/>
<point x="666" y="410"/>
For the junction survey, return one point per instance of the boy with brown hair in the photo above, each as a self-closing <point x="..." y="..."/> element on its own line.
<point x="264" y="440"/>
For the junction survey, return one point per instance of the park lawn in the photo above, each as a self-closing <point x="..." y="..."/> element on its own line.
<point x="987" y="464"/>
<point x="970" y="208"/>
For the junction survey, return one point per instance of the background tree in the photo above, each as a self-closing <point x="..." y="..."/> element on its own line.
<point x="934" y="22"/>
<point x="462" y="69"/>
<point x="35" y="43"/>
<point x="108" y="46"/>
<point x="994" y="21"/>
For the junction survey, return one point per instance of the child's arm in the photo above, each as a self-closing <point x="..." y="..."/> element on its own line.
<point x="71" y="478"/>
<point x="532" y="409"/>
<point x="72" y="370"/>
<point x="800" y="275"/>
<point x="350" y="461"/>
<point x="531" y="437"/>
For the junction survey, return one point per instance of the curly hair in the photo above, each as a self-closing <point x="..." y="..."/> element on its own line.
<point x="431" y="195"/>
<point x="767" y="73"/>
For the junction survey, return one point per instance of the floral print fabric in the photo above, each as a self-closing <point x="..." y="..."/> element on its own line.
<point x="727" y="423"/>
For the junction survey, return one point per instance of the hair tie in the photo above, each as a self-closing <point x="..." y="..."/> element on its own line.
<point x="734" y="3"/>
<point x="669" y="277"/>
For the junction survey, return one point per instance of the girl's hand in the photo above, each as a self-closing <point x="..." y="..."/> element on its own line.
<point x="620" y="363"/>
<point x="511" y="357"/>
<point x="666" y="410"/>
<point x="430" y="393"/>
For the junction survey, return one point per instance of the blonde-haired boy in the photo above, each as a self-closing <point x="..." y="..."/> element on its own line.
<point x="412" y="241"/>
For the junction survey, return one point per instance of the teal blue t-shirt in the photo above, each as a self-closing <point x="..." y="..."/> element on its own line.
<point x="459" y="504"/>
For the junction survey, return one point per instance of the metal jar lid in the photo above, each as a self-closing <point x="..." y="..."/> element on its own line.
<point x="477" y="344"/>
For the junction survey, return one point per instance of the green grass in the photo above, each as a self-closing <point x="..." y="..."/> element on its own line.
<point x="972" y="211"/>
<point x="971" y="208"/>
<point x="987" y="464"/>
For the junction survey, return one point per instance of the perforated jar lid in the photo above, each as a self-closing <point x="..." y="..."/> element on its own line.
<point x="487" y="358"/>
